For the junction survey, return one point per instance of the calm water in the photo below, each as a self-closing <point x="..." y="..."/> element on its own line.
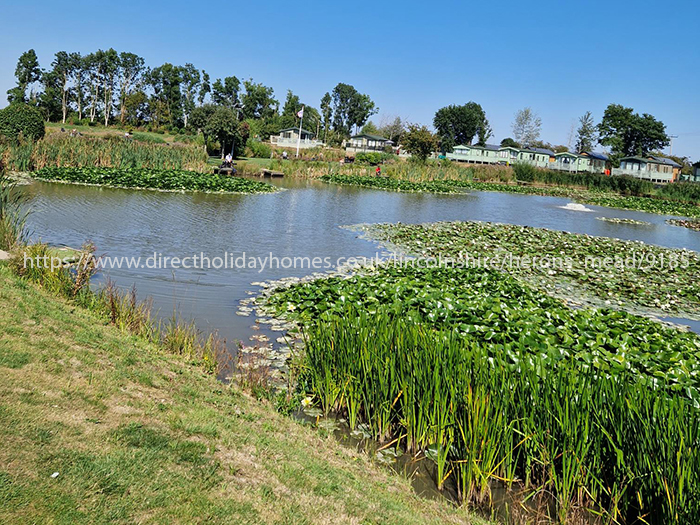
<point x="303" y="221"/>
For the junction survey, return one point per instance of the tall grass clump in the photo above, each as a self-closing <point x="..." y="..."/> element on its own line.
<point x="578" y="439"/>
<point x="38" y="263"/>
<point x="496" y="383"/>
<point x="682" y="191"/>
<point x="12" y="214"/>
<point x="58" y="150"/>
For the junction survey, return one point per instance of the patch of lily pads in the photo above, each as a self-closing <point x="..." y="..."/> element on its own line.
<point x="690" y="224"/>
<point x="619" y="220"/>
<point x="582" y="269"/>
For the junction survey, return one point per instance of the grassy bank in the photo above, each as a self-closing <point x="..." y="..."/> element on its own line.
<point x="136" y="435"/>
<point x="58" y="150"/>
<point x="161" y="179"/>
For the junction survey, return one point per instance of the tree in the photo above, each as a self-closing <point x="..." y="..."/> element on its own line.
<point x="21" y="120"/>
<point x="419" y="141"/>
<point x="78" y="77"/>
<point x="107" y="69"/>
<point x="223" y="126"/>
<point x="456" y="125"/>
<point x="49" y="101"/>
<point x="326" y="111"/>
<point x="225" y="93"/>
<point x="204" y="88"/>
<point x="370" y="129"/>
<point x="350" y="108"/>
<point x="392" y="129"/>
<point x="89" y="64"/>
<point x="258" y="101"/>
<point x="63" y="66"/>
<point x="628" y="134"/>
<point x="131" y="67"/>
<point x="361" y="109"/>
<point x="292" y="105"/>
<point x="200" y="116"/>
<point x="526" y="127"/>
<point x="586" y="134"/>
<point x="191" y="79"/>
<point x="27" y="72"/>
<point x="509" y="143"/>
<point x="166" y="101"/>
<point x="136" y="106"/>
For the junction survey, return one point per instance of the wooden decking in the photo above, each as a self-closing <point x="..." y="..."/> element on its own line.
<point x="271" y="173"/>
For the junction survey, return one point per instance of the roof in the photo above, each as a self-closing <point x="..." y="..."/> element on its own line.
<point x="568" y="153"/>
<point x="297" y="129"/>
<point x="654" y="160"/>
<point x="596" y="155"/>
<point x="491" y="147"/>
<point x="543" y="151"/>
<point x="368" y="136"/>
<point x="664" y="160"/>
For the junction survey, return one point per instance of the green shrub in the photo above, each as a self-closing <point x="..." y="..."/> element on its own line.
<point x="524" y="172"/>
<point x="145" y="137"/>
<point x="373" y="157"/>
<point x="258" y="149"/>
<point x="682" y="191"/>
<point x="21" y="120"/>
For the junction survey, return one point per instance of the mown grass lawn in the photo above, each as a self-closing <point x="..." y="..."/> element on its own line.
<point x="136" y="436"/>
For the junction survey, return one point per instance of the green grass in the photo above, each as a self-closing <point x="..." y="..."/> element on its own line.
<point x="136" y="435"/>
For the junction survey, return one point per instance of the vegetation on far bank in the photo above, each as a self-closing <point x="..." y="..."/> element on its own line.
<point x="101" y="426"/>
<point x="161" y="179"/>
<point x="108" y="151"/>
<point x="679" y="199"/>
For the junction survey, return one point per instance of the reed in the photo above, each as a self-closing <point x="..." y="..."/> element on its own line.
<point x="121" y="308"/>
<point x="12" y="213"/>
<point x="587" y="441"/>
<point x="60" y="150"/>
<point x="587" y="411"/>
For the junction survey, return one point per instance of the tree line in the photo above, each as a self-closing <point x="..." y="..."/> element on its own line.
<point x="113" y="87"/>
<point x="118" y="87"/>
<point x="623" y="131"/>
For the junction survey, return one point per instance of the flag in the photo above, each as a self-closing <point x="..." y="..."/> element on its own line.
<point x="300" y="113"/>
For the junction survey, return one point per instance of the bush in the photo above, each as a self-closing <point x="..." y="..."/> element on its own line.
<point x="258" y="149"/>
<point x="373" y="158"/>
<point x="145" y="137"/>
<point x="525" y="172"/>
<point x="21" y="120"/>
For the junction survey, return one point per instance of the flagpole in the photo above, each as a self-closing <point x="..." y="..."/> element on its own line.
<point x="301" y="120"/>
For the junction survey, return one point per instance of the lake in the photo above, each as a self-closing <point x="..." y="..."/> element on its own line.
<point x="304" y="220"/>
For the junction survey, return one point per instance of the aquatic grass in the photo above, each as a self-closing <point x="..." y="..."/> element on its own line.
<point x="582" y="439"/>
<point x="13" y="216"/>
<point x="60" y="150"/>
<point x="690" y="224"/>
<point x="150" y="178"/>
<point x="36" y="263"/>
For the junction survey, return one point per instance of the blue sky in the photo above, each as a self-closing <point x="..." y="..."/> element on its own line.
<point x="559" y="57"/>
